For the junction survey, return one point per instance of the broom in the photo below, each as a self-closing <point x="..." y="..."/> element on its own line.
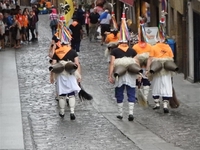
<point x="174" y="102"/>
<point x="140" y="96"/>
<point x="83" y="95"/>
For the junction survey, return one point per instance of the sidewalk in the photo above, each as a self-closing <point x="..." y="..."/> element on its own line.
<point x="11" y="132"/>
<point x="140" y="135"/>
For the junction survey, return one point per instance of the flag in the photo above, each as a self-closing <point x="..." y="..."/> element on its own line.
<point x="164" y="5"/>
<point x="68" y="9"/>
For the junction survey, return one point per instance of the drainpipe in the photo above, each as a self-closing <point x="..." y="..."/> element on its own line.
<point x="185" y="41"/>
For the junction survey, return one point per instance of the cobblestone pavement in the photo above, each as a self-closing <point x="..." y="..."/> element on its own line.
<point x="43" y="128"/>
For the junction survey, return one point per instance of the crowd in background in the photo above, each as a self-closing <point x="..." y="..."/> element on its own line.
<point x="17" y="26"/>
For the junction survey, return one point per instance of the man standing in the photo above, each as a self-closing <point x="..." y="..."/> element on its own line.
<point x="104" y="19"/>
<point x="77" y="34"/>
<point x="36" y="12"/>
<point x="94" y="16"/>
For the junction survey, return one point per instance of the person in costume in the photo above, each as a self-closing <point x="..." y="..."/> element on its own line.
<point x="112" y="37"/>
<point x="143" y="49"/>
<point x="56" y="36"/>
<point x="112" y="41"/>
<point x="160" y="54"/>
<point x="66" y="79"/>
<point x="122" y="58"/>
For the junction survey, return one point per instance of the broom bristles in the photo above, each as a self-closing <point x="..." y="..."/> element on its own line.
<point x="83" y="95"/>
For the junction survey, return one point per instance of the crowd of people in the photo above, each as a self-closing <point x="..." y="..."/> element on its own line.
<point x="17" y="26"/>
<point x="130" y="67"/>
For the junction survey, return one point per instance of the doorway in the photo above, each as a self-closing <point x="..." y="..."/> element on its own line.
<point x="196" y="28"/>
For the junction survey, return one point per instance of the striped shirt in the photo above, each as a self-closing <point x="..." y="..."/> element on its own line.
<point x="53" y="16"/>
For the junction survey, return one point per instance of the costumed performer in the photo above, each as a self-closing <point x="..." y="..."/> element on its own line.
<point x="112" y="37"/>
<point x="143" y="49"/>
<point x="121" y="58"/>
<point x="66" y="80"/>
<point x="161" y="82"/>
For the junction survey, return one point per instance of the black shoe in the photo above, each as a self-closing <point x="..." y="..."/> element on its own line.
<point x="156" y="107"/>
<point x="72" y="117"/>
<point x="166" y="110"/>
<point x="120" y="117"/>
<point x="130" y="118"/>
<point x="62" y="116"/>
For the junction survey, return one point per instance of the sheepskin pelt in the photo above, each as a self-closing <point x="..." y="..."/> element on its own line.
<point x="110" y="46"/>
<point x="142" y="58"/>
<point x="65" y="73"/>
<point x="124" y="61"/>
<point x="107" y="52"/>
<point x="163" y="71"/>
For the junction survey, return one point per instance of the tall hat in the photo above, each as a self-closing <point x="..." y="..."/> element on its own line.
<point x="161" y="35"/>
<point x="114" y="22"/>
<point x="63" y="32"/>
<point x="124" y="32"/>
<point x="141" y="31"/>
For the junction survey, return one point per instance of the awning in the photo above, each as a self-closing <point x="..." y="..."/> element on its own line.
<point x="128" y="2"/>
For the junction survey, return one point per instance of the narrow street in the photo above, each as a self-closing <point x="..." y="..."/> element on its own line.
<point x="96" y="126"/>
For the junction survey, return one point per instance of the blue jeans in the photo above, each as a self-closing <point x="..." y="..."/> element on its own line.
<point x="53" y="30"/>
<point x="119" y="93"/>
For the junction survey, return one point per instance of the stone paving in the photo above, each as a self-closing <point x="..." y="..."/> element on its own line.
<point x="43" y="128"/>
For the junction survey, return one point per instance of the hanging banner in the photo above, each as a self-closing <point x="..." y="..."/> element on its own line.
<point x="68" y="9"/>
<point x="128" y="2"/>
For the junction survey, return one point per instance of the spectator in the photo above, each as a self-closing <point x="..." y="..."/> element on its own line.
<point x="36" y="12"/>
<point x="16" y="27"/>
<point x="20" y="18"/>
<point x="53" y="20"/>
<point x="25" y="33"/>
<point x="87" y="13"/>
<point x="104" y="19"/>
<point x="77" y="34"/>
<point x="8" y="23"/>
<point x="94" y="16"/>
<point x="48" y="5"/>
<point x="2" y="31"/>
<point x="32" y="25"/>
<point x="80" y="15"/>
